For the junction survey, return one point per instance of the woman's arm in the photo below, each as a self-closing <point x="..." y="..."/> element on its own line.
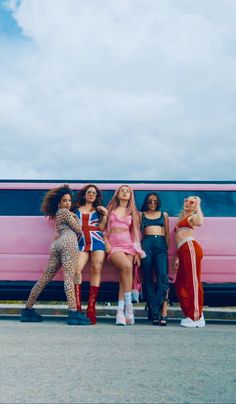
<point x="137" y="259"/>
<point x="104" y="213"/>
<point x="197" y="218"/>
<point x="106" y="236"/>
<point x="141" y="224"/>
<point x="140" y="217"/>
<point x="175" y="265"/>
<point x="136" y="236"/>
<point x="71" y="219"/>
<point x="167" y="228"/>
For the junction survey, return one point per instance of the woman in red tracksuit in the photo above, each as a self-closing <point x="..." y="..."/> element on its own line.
<point x="188" y="262"/>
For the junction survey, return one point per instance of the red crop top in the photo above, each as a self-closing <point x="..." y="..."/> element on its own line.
<point x="183" y="224"/>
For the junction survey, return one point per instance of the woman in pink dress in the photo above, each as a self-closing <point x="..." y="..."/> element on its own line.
<point x="123" y="246"/>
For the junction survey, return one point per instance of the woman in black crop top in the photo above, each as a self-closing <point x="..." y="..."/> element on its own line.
<point x="155" y="233"/>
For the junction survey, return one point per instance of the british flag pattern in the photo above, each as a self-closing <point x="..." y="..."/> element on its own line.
<point x="91" y="238"/>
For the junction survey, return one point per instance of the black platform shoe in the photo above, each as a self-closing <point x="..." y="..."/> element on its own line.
<point x="30" y="316"/>
<point x="77" y="318"/>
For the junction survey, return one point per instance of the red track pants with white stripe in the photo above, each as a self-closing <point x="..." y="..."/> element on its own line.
<point x="188" y="280"/>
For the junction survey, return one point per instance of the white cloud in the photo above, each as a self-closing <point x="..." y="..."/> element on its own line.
<point x="127" y="89"/>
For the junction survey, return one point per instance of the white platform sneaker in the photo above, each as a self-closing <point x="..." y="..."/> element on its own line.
<point x="120" y="317"/>
<point x="189" y="323"/>
<point x="129" y="314"/>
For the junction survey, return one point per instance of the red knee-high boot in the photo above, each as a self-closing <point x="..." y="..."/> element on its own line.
<point x="78" y="297"/>
<point x="91" y="310"/>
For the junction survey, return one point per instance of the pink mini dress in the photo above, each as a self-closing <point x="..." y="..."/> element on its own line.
<point x="123" y="241"/>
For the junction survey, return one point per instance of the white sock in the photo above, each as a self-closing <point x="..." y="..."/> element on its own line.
<point x="121" y="305"/>
<point x="127" y="298"/>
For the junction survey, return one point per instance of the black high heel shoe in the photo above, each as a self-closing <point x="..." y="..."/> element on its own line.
<point x="163" y="321"/>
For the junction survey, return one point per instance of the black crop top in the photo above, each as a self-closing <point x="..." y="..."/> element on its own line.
<point x="160" y="221"/>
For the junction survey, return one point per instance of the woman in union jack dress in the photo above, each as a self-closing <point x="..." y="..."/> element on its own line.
<point x="93" y="218"/>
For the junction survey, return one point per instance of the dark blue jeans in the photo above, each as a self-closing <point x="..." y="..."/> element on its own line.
<point x="155" y="263"/>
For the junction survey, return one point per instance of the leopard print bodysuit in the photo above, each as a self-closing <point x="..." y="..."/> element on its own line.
<point x="63" y="252"/>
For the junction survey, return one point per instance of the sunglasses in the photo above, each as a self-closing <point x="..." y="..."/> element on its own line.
<point x="189" y="201"/>
<point x="91" y="192"/>
<point x="154" y="201"/>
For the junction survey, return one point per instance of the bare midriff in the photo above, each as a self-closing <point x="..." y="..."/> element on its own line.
<point x="154" y="231"/>
<point x="117" y="230"/>
<point x="182" y="234"/>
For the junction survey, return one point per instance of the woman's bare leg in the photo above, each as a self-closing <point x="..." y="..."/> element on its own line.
<point x="124" y="263"/>
<point x="97" y="260"/>
<point x="83" y="258"/>
<point x="164" y="309"/>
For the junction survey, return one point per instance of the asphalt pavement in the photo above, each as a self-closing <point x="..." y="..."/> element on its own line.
<point x="51" y="362"/>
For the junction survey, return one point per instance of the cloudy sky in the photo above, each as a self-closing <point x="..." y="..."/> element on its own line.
<point x="118" y="89"/>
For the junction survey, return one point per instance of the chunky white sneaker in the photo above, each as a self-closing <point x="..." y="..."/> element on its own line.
<point x="189" y="323"/>
<point x="129" y="314"/>
<point x="120" y="317"/>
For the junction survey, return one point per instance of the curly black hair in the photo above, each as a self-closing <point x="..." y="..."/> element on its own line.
<point x="80" y="197"/>
<point x="52" y="198"/>
<point x="145" y="202"/>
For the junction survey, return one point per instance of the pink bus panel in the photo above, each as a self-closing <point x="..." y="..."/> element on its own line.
<point x="25" y="243"/>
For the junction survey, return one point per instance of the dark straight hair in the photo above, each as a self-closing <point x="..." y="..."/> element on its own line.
<point x="146" y="198"/>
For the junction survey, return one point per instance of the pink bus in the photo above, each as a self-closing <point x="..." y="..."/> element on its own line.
<point x="25" y="236"/>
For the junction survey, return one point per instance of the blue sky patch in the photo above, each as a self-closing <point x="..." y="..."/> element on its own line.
<point x="8" y="25"/>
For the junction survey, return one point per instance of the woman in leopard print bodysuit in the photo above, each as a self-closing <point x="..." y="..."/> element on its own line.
<point x="64" y="252"/>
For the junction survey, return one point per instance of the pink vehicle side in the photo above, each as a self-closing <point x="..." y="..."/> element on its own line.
<point x="26" y="235"/>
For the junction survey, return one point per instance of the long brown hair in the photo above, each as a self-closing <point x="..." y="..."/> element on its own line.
<point x="80" y="197"/>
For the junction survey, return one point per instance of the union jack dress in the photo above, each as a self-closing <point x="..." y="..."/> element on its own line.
<point x="91" y="238"/>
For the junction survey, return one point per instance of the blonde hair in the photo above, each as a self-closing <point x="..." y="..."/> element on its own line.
<point x="182" y="212"/>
